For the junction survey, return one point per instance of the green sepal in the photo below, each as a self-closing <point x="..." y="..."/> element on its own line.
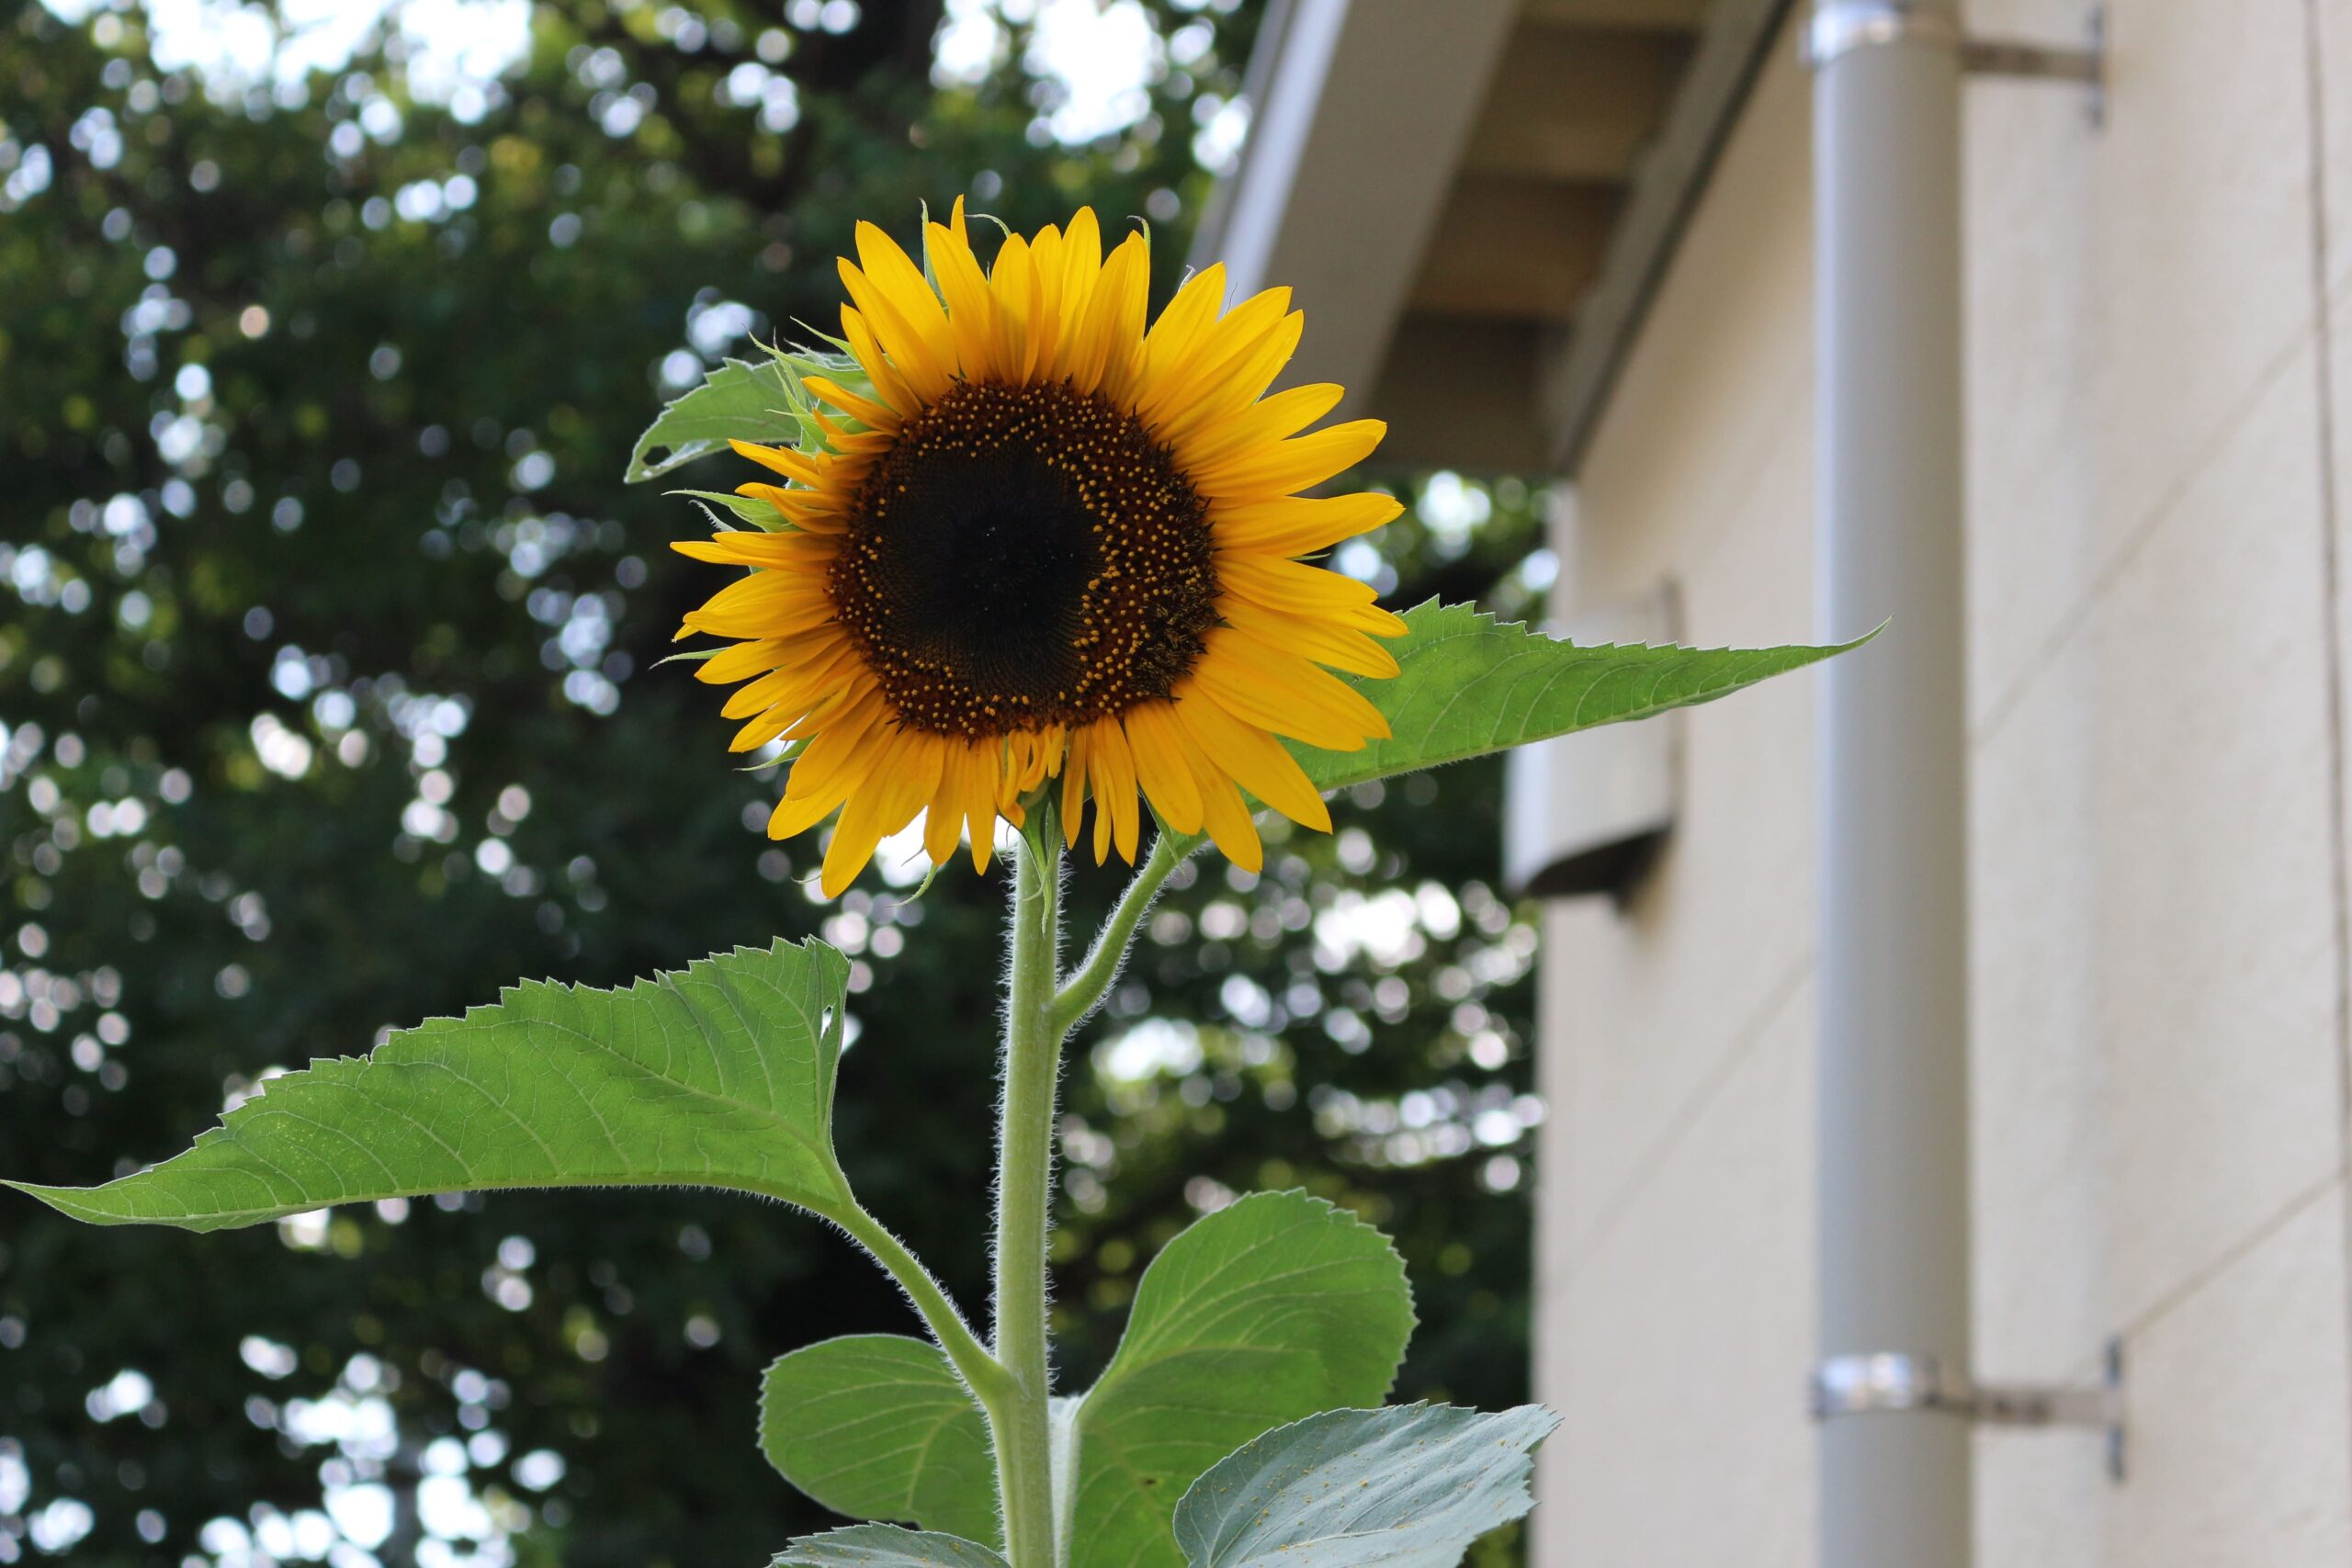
<point x="761" y="514"/>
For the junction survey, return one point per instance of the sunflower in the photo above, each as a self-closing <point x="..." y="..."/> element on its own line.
<point x="1029" y="543"/>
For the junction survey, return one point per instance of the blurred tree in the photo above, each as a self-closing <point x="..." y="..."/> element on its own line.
<point x="327" y="704"/>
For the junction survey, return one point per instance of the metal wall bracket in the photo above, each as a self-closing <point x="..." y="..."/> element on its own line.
<point x="1890" y="1383"/>
<point x="1838" y="27"/>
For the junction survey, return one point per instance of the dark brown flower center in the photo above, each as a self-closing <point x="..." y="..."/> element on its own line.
<point x="1025" y="556"/>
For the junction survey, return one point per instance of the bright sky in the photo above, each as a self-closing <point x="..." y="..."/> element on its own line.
<point x="454" y="47"/>
<point x="1102" y="56"/>
<point x="1101" y="53"/>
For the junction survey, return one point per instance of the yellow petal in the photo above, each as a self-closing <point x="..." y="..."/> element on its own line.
<point x="1276" y="691"/>
<point x="741" y="662"/>
<point x="1227" y="820"/>
<point x="1161" y="767"/>
<point x="902" y="779"/>
<point x="783" y="459"/>
<point x="1297" y="524"/>
<point x="1339" y="647"/>
<point x="944" y="817"/>
<point x="1280" y="467"/>
<point x="1046" y="256"/>
<point x="1081" y="267"/>
<point x="841" y="753"/>
<point x="971" y="315"/>
<point x="801" y="682"/>
<point x="1114" y="317"/>
<point x="763" y="604"/>
<point x="1110" y="761"/>
<point x="1213" y="433"/>
<point x="901" y="282"/>
<point x="1012" y="289"/>
<point x="1074" y="786"/>
<point x="792" y="818"/>
<point x="798" y="552"/>
<point x="980" y="784"/>
<point x="1180" y="328"/>
<point x="863" y="410"/>
<point x="1290" y="586"/>
<point x="1215" y="354"/>
<point x="889" y="385"/>
<point x="925" y="373"/>
<point x="1252" y="757"/>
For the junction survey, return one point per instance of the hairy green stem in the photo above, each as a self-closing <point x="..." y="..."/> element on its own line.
<point x="988" y="1380"/>
<point x="1033" y="1043"/>
<point x="1103" y="965"/>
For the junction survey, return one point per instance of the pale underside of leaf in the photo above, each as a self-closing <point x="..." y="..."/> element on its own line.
<point x="1408" y="1488"/>
<point x="1270" y="1309"/>
<point x="879" y="1427"/>
<point x="720" y="1074"/>
<point x="885" y="1546"/>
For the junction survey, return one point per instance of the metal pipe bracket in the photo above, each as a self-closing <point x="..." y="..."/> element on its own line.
<point x="1837" y="28"/>
<point x="1888" y="1383"/>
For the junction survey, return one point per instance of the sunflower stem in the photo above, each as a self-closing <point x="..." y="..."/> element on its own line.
<point x="964" y="1350"/>
<point x="1103" y="965"/>
<point x="1020" y="1421"/>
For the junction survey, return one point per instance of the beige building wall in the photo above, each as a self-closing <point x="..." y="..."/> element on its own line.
<point x="2160" y="332"/>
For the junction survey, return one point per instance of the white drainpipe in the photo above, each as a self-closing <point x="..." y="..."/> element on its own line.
<point x="1892" y="760"/>
<point x="1892" y="768"/>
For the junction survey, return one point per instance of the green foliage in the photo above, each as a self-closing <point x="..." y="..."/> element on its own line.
<point x="397" y="492"/>
<point x="1273" y="1308"/>
<point x="276" y="913"/>
<point x="720" y="1074"/>
<point x="879" y="1427"/>
<point x="1406" y="1487"/>
<point x="1469" y="685"/>
<point x="885" y="1546"/>
<point x="737" y="401"/>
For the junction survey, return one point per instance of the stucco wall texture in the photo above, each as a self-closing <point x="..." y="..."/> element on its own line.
<point x="2159" y="335"/>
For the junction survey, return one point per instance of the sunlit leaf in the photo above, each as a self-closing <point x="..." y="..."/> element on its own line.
<point x="737" y="401"/>
<point x="879" y="1427"/>
<point x="1469" y="685"/>
<point x="885" y="1546"/>
<point x="1270" y="1309"/>
<point x="720" y="1074"/>
<point x="1408" y="1488"/>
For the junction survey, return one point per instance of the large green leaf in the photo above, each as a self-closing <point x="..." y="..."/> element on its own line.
<point x="1270" y="1309"/>
<point x="879" y="1427"/>
<point x="718" y="1076"/>
<point x="737" y="401"/>
<point x="1408" y="1488"/>
<point x="1469" y="685"/>
<point x="885" y="1546"/>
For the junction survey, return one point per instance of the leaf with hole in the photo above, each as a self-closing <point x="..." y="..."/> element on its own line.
<point x="737" y="401"/>
<point x="719" y="1075"/>
<point x="879" y="1427"/>
<point x="1408" y="1488"/>
<point x="1272" y="1308"/>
